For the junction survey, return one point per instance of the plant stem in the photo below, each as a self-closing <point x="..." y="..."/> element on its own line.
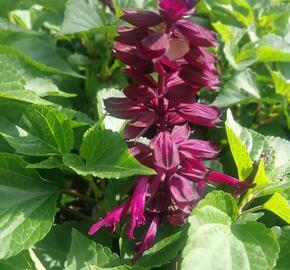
<point x="161" y="108"/>
<point x="254" y="209"/>
<point x="77" y="214"/>
<point x="79" y="196"/>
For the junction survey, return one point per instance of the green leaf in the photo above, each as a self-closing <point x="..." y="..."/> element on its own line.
<point x="167" y="245"/>
<point x="284" y="241"/>
<point x="109" y="122"/>
<point x="81" y="16"/>
<point x="97" y="143"/>
<point x="279" y="206"/>
<point x="239" y="151"/>
<point x="21" y="261"/>
<point x="221" y="201"/>
<point x="12" y="86"/>
<point x="241" y="87"/>
<point x="37" y="131"/>
<point x="46" y="60"/>
<point x="273" y="48"/>
<point x="27" y="206"/>
<point x="282" y="86"/>
<point x="216" y="242"/>
<point x="256" y="144"/>
<point x="85" y="254"/>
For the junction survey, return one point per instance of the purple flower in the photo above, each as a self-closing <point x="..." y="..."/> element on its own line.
<point x="177" y="51"/>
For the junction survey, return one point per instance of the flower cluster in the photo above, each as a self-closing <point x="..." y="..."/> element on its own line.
<point x="177" y="51"/>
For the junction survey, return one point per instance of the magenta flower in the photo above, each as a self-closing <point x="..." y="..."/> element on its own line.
<point x="177" y="50"/>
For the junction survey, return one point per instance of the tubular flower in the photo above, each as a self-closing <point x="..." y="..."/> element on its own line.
<point x="177" y="50"/>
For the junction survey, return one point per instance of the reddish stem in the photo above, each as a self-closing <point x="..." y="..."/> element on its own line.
<point x="161" y="107"/>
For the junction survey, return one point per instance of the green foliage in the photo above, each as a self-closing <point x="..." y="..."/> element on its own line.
<point x="63" y="159"/>
<point x="97" y="142"/>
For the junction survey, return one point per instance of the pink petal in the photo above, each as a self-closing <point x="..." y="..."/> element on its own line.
<point x="138" y="204"/>
<point x="149" y="238"/>
<point x="180" y="133"/>
<point x="221" y="178"/>
<point x="112" y="218"/>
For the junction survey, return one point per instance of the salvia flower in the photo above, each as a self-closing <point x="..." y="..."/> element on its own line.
<point x="178" y="51"/>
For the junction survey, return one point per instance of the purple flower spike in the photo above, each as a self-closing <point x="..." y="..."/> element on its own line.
<point x="167" y="58"/>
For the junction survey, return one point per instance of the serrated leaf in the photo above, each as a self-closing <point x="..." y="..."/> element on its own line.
<point x="240" y="154"/>
<point x="81" y="16"/>
<point x="12" y="86"/>
<point x="282" y="86"/>
<point x="273" y="48"/>
<point x="216" y="242"/>
<point x="36" y="130"/>
<point x="27" y="206"/>
<point x="279" y="206"/>
<point x="284" y="241"/>
<point x="85" y="254"/>
<point x="256" y="144"/>
<point x="222" y="201"/>
<point x="97" y="143"/>
<point x="20" y="261"/>
<point x="241" y="87"/>
<point x="47" y="60"/>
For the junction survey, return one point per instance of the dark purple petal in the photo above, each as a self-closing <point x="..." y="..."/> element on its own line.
<point x="139" y="125"/>
<point x="131" y="36"/>
<point x="180" y="133"/>
<point x="141" y="78"/>
<point x="129" y="56"/>
<point x="176" y="218"/>
<point x="198" y="149"/>
<point x="154" y="46"/>
<point x="141" y="93"/>
<point x="141" y="18"/>
<point x="123" y="108"/>
<point x="174" y="10"/>
<point x="199" y="58"/>
<point x="196" y="34"/>
<point x="182" y="190"/>
<point x="180" y="93"/>
<point x="165" y="152"/>
<point x="149" y="238"/>
<point x="206" y="78"/>
<point x="199" y="114"/>
<point x="173" y="118"/>
<point x="193" y="170"/>
<point x="138" y="205"/>
<point x="112" y="218"/>
<point x="142" y="153"/>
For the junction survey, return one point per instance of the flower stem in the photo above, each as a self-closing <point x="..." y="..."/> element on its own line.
<point x="161" y="107"/>
<point x="254" y="209"/>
